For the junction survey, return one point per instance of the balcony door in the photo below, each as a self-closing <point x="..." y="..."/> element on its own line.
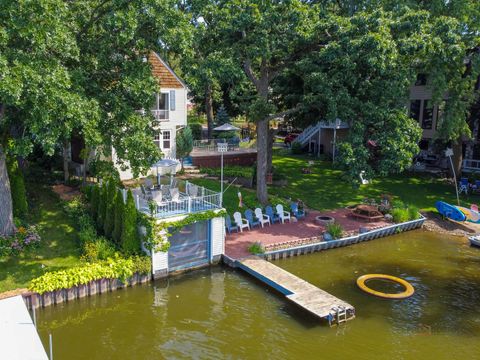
<point x="161" y="107"/>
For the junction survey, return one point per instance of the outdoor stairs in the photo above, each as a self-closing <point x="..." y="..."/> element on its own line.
<point x="307" y="296"/>
<point x="307" y="134"/>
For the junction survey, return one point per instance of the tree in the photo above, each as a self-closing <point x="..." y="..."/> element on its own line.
<point x="222" y="116"/>
<point x="255" y="33"/>
<point x="17" y="183"/>
<point x="118" y="215"/>
<point x="184" y="144"/>
<point x="109" y="211"/>
<point x="130" y="239"/>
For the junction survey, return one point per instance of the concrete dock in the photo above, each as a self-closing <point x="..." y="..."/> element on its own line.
<point x="19" y="337"/>
<point x="307" y="296"/>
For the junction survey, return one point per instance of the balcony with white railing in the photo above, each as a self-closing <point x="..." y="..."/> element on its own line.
<point x="159" y="115"/>
<point x="175" y="198"/>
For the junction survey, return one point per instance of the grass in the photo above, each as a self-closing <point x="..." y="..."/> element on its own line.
<point x="230" y="197"/>
<point x="59" y="247"/>
<point x="324" y="188"/>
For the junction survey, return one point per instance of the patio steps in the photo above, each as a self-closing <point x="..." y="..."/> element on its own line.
<point x="300" y="292"/>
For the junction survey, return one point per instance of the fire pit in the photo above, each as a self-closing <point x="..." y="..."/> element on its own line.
<point x="324" y="220"/>
<point x="366" y="212"/>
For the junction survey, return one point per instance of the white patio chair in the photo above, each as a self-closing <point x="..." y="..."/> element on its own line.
<point x="192" y="190"/>
<point x="149" y="183"/>
<point x="263" y="218"/>
<point x="282" y="214"/>
<point x="241" y="222"/>
<point x="175" y="194"/>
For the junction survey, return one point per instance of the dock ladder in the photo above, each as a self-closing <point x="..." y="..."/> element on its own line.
<point x="340" y="315"/>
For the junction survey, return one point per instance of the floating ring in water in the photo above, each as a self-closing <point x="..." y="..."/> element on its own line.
<point x="409" y="290"/>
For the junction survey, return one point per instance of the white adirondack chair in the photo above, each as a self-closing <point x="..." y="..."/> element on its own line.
<point x="241" y="222"/>
<point x="284" y="215"/>
<point x="263" y="218"/>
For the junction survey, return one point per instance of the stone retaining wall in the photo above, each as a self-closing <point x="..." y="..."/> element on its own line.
<point x="324" y="245"/>
<point x="35" y="300"/>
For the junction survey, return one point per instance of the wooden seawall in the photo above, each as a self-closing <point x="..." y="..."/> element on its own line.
<point x="300" y="292"/>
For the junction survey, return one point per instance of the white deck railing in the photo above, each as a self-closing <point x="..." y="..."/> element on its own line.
<point x="189" y="201"/>
<point x="470" y="165"/>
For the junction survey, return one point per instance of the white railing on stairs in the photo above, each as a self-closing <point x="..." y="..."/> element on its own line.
<point x="305" y="136"/>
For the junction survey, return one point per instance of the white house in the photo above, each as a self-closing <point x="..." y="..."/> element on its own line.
<point x="169" y="109"/>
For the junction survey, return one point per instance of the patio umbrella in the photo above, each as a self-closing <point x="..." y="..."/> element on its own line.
<point x="169" y="164"/>
<point x="226" y="127"/>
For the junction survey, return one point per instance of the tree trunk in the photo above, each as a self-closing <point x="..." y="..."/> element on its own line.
<point x="457" y="157"/>
<point x="66" y="173"/>
<point x="262" y="161"/>
<point x="6" y="215"/>
<point x="270" y="150"/>
<point x="209" y="110"/>
<point x="86" y="155"/>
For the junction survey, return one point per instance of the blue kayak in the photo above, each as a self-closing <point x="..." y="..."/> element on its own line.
<point x="450" y="211"/>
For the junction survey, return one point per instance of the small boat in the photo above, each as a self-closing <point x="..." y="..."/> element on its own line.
<point x="450" y="211"/>
<point x="474" y="240"/>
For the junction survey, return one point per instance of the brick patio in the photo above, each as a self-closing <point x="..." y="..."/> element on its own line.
<point x="295" y="233"/>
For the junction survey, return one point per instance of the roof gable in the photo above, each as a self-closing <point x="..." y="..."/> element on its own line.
<point x="165" y="75"/>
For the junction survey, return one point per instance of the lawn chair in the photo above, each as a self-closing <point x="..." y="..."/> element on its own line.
<point x="476" y="186"/>
<point x="297" y="213"/>
<point x="229" y="225"/>
<point x="242" y="223"/>
<point x="273" y="217"/>
<point x="192" y="190"/>
<point x="252" y="221"/>
<point x="149" y="184"/>
<point x="175" y="194"/>
<point x="146" y="193"/>
<point x="463" y="186"/>
<point x="264" y="219"/>
<point x="282" y="214"/>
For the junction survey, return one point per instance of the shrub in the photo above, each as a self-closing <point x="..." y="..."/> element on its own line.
<point x="129" y="239"/>
<point x="109" y="209"/>
<point x="256" y="248"/>
<point x="102" y="206"/>
<point x="118" y="268"/>
<point x="196" y="131"/>
<point x="142" y="264"/>
<point x="17" y="189"/>
<point x="230" y="171"/>
<point x="87" y="234"/>
<point x="23" y="239"/>
<point x="400" y="215"/>
<point x="297" y="148"/>
<point x="118" y="218"/>
<point x="99" y="249"/>
<point x="94" y="201"/>
<point x="335" y="230"/>
<point x="413" y="213"/>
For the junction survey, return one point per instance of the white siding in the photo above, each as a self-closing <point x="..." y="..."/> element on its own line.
<point x="218" y="236"/>
<point x="160" y="261"/>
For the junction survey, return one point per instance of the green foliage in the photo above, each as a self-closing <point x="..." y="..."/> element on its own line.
<point x="109" y="209"/>
<point x="413" y="213"/>
<point x="17" y="189"/>
<point x="230" y="171"/>
<point x="100" y="249"/>
<point x="256" y="248"/>
<point x="103" y="169"/>
<point x="95" y="201"/>
<point x="117" y="268"/>
<point x="102" y="206"/>
<point x="400" y="215"/>
<point x="184" y="142"/>
<point x="297" y="148"/>
<point x="118" y="216"/>
<point x="130" y="239"/>
<point x="196" y="131"/>
<point x="335" y="230"/>
<point x="222" y="116"/>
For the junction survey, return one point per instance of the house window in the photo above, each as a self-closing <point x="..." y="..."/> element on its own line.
<point x="156" y="139"/>
<point x="166" y="139"/>
<point x="427" y="118"/>
<point x="160" y="107"/>
<point x="415" y="109"/>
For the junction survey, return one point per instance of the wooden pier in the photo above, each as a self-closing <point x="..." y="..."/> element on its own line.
<point x="300" y="292"/>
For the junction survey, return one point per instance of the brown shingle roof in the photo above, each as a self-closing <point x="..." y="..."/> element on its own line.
<point x="163" y="73"/>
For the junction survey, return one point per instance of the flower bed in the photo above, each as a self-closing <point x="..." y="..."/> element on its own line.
<point x="23" y="239"/>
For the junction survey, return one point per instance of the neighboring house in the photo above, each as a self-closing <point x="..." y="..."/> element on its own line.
<point x="169" y="109"/>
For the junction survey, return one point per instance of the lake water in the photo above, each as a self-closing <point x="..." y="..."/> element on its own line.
<point x="221" y="313"/>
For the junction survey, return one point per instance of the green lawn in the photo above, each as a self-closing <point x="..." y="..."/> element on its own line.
<point x="58" y="249"/>
<point x="325" y="189"/>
